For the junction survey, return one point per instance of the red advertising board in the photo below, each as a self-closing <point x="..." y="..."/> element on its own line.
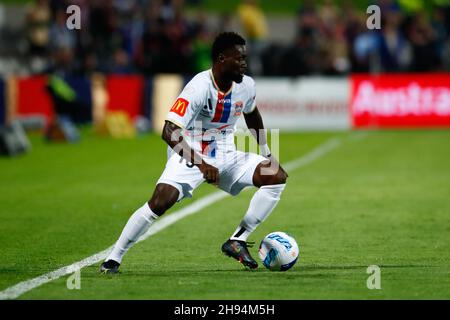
<point x="33" y="98"/>
<point x="125" y="94"/>
<point x="400" y="100"/>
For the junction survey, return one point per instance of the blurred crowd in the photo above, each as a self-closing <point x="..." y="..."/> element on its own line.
<point x="116" y="36"/>
<point x="158" y="36"/>
<point x="337" y="40"/>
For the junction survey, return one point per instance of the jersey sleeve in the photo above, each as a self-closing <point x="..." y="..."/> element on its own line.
<point x="187" y="105"/>
<point x="250" y="103"/>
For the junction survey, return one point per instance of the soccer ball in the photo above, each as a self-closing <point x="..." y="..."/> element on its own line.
<point x="278" y="251"/>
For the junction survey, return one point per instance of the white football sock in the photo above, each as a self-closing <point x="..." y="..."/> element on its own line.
<point x="136" y="226"/>
<point x="263" y="202"/>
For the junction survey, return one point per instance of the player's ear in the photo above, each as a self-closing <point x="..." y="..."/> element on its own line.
<point x="221" y="57"/>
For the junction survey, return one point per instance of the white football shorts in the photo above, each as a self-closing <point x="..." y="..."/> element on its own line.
<point x="236" y="170"/>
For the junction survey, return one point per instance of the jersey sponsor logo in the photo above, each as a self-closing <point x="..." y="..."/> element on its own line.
<point x="180" y="107"/>
<point x="238" y="106"/>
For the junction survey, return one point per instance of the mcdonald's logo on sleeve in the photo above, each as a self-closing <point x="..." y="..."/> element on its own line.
<point x="180" y="106"/>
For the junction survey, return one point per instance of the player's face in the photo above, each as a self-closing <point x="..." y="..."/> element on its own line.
<point x="236" y="63"/>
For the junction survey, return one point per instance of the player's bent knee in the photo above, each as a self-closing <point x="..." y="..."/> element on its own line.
<point x="164" y="197"/>
<point x="282" y="177"/>
<point x="278" y="178"/>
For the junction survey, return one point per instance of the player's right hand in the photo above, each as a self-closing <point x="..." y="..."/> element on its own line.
<point x="210" y="173"/>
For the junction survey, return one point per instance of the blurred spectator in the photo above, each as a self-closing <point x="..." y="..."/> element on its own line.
<point x="393" y="48"/>
<point x="38" y="23"/>
<point x="60" y="35"/>
<point x="306" y="57"/>
<point x="441" y="25"/>
<point x="320" y="46"/>
<point x="338" y="50"/>
<point x="38" y="19"/>
<point x="254" y="24"/>
<point x="177" y="43"/>
<point x="365" y="48"/>
<point x="121" y="63"/>
<point x="329" y="14"/>
<point x="439" y="29"/>
<point x="307" y="18"/>
<point x="424" y="44"/>
<point x="150" y="47"/>
<point x="89" y="63"/>
<point x="166" y="45"/>
<point x="224" y="23"/>
<point x="201" y="45"/>
<point x="107" y="31"/>
<point x="63" y="62"/>
<point x="334" y="41"/>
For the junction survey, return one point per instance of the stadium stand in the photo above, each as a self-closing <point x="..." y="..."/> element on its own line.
<point x="153" y="37"/>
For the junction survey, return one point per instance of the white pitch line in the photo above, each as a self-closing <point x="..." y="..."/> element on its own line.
<point x="316" y="153"/>
<point x="17" y="290"/>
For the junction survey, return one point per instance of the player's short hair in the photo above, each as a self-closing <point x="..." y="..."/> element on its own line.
<point x="225" y="41"/>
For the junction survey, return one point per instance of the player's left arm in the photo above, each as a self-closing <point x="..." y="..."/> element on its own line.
<point x="255" y="123"/>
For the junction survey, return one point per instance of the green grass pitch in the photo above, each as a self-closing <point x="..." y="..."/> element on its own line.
<point x="383" y="199"/>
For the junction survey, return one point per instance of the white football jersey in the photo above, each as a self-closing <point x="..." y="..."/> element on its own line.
<point x="208" y="116"/>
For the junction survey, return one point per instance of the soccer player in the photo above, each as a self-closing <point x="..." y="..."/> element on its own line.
<point x="199" y="130"/>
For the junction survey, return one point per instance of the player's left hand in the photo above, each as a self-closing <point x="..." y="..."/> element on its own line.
<point x="210" y="173"/>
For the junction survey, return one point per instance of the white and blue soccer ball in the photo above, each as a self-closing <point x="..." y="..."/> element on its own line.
<point x="278" y="251"/>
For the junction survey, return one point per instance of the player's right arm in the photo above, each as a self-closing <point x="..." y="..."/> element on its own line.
<point x="183" y="112"/>
<point x="172" y="135"/>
